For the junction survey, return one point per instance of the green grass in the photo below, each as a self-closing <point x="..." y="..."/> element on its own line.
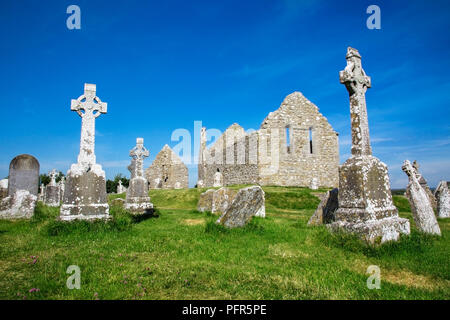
<point x="182" y="254"/>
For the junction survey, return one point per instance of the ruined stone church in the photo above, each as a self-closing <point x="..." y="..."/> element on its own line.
<point x="294" y="146"/>
<point x="167" y="171"/>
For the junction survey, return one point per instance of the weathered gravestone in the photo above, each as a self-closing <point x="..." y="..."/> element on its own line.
<point x="365" y="201"/>
<point x="222" y="199"/>
<point x="85" y="191"/>
<point x="41" y="196"/>
<point x="52" y="190"/>
<point x="137" y="200"/>
<point x="324" y="213"/>
<point x="421" y="208"/>
<point x="218" y="179"/>
<point x="205" y="201"/>
<point x="423" y="183"/>
<point x="121" y="188"/>
<point x="442" y="195"/>
<point x="3" y="188"/>
<point x="23" y="174"/>
<point x="23" y="186"/>
<point x="248" y="202"/>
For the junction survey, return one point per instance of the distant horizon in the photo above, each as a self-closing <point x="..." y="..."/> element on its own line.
<point x="163" y="66"/>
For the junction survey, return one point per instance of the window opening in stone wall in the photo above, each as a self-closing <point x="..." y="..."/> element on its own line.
<point x="288" y="139"/>
<point x="310" y="141"/>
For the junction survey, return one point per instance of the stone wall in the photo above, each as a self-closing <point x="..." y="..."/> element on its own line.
<point x="293" y="145"/>
<point x="167" y="171"/>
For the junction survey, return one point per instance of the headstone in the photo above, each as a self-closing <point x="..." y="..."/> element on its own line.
<point x="52" y="190"/>
<point x="200" y="184"/>
<point x="421" y="208"/>
<point x="85" y="190"/>
<point x="324" y="213"/>
<point x="137" y="200"/>
<point x="314" y="185"/>
<point x="121" y="188"/>
<point x="23" y="185"/>
<point x="41" y="196"/>
<point x="248" y="202"/>
<point x="3" y="188"/>
<point x="423" y="183"/>
<point x="158" y="183"/>
<point x="365" y="201"/>
<point x="205" y="201"/>
<point x="222" y="199"/>
<point x="177" y="185"/>
<point x="23" y="174"/>
<point x="442" y="195"/>
<point x="62" y="188"/>
<point x="218" y="179"/>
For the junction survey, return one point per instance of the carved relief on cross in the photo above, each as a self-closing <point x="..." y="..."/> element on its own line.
<point x="88" y="106"/>
<point x="53" y="174"/>
<point x="138" y="154"/>
<point x="357" y="82"/>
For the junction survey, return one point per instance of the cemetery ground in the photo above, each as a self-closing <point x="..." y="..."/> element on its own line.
<point x="182" y="254"/>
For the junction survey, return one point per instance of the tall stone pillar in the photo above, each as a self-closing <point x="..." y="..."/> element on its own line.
<point x="365" y="201"/>
<point x="85" y="190"/>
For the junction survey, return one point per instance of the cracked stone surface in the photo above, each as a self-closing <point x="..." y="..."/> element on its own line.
<point x="442" y="195"/>
<point x="248" y="202"/>
<point x="85" y="188"/>
<point x="205" y="201"/>
<point x="421" y="207"/>
<point x="364" y="198"/>
<point x="423" y="183"/>
<point x="20" y="205"/>
<point x="3" y="188"/>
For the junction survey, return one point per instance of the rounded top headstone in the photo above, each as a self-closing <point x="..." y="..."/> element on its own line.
<point x="23" y="174"/>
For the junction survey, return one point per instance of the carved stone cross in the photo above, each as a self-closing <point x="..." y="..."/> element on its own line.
<point x="137" y="154"/>
<point x="88" y="106"/>
<point x="53" y="174"/>
<point x="357" y="82"/>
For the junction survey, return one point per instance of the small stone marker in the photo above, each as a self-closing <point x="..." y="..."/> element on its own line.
<point x="248" y="202"/>
<point x="22" y="186"/>
<point x="314" y="185"/>
<point x="52" y="191"/>
<point x="85" y="190"/>
<point x="365" y="200"/>
<point x="218" y="179"/>
<point x="137" y="200"/>
<point x="41" y="196"/>
<point x="442" y="195"/>
<point x="421" y="207"/>
<point x="121" y="188"/>
<point x="324" y="213"/>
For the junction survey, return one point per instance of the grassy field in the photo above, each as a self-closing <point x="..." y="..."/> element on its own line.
<point x="182" y="254"/>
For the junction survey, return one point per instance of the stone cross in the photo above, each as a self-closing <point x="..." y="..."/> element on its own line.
<point x="137" y="154"/>
<point x="356" y="81"/>
<point x="88" y="106"/>
<point x="53" y="174"/>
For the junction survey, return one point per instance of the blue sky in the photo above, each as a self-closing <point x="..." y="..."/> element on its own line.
<point x="161" y="65"/>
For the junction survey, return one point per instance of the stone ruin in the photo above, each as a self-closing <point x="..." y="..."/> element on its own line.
<point x="3" y="188"/>
<point x="421" y="208"/>
<point x="167" y="171"/>
<point x="121" y="188"/>
<point x="247" y="203"/>
<point x="293" y="144"/>
<point x="85" y="187"/>
<point x="137" y="200"/>
<point x="365" y="201"/>
<point x="22" y="187"/>
<point x="442" y="196"/>
<point x="52" y="191"/>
